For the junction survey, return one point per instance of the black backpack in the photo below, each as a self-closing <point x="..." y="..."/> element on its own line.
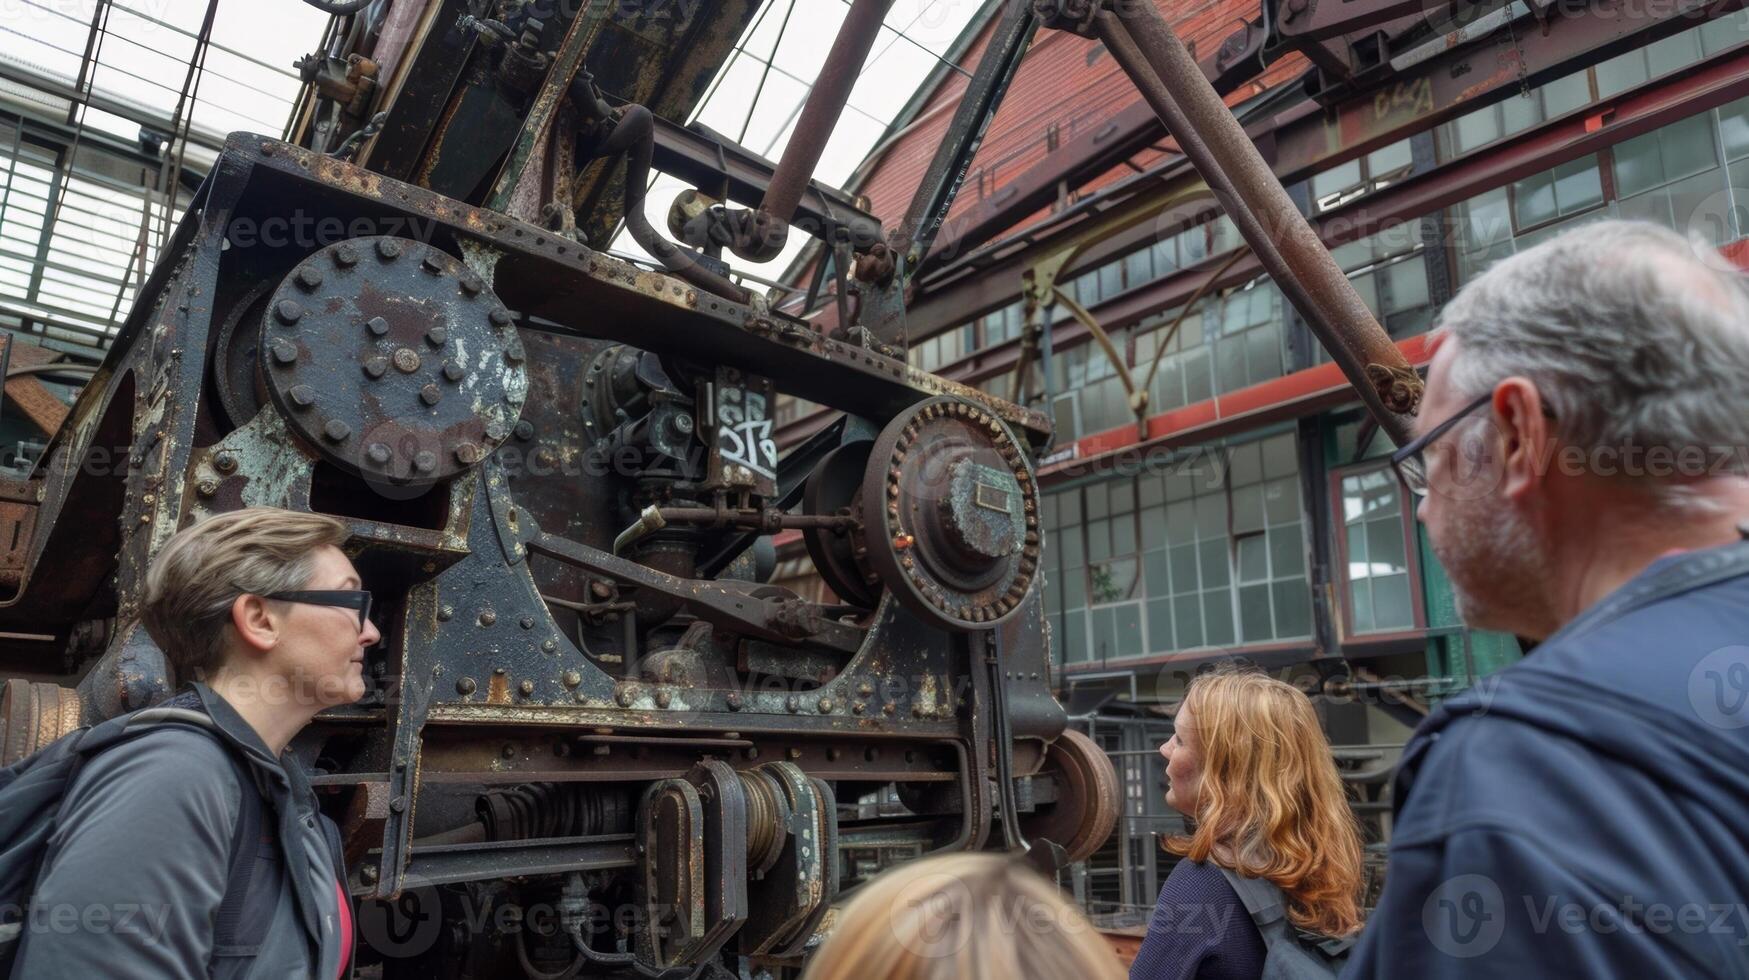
<point x="31" y="791"/>
<point x="1289" y="952"/>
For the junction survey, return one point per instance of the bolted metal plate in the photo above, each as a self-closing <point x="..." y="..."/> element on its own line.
<point x="394" y="360"/>
<point x="950" y="513"/>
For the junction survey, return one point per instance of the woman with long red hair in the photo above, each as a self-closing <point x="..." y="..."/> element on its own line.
<point x="1249" y="765"/>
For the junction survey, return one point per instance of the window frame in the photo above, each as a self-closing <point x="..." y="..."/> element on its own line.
<point x="1346" y="637"/>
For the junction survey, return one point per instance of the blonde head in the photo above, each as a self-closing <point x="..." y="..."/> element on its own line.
<point x="204" y="568"/>
<point x="1270" y="803"/>
<point x="963" y="917"/>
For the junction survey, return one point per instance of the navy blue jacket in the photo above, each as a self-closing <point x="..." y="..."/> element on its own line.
<point x="1585" y="812"/>
<point x="1199" y="930"/>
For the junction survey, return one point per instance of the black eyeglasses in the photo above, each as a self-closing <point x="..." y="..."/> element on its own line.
<point x="358" y="599"/>
<point x="1410" y="462"/>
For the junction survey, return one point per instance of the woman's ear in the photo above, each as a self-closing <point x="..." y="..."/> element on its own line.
<point x="255" y="624"/>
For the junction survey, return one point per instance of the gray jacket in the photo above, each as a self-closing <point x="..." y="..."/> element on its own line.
<point x="134" y="873"/>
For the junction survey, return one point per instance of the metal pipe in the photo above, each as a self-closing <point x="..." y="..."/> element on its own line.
<point x="819" y="117"/>
<point x="1271" y="224"/>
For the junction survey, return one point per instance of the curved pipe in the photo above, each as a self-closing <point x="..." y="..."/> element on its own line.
<point x="635" y="136"/>
<point x="340" y="8"/>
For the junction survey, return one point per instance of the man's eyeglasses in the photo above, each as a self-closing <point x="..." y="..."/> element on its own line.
<point x="358" y="599"/>
<point x="1410" y="462"/>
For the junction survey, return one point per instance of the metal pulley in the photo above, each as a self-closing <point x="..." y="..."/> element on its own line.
<point x="950" y="514"/>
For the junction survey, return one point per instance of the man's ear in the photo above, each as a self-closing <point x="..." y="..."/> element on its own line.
<point x="1527" y="440"/>
<point x="255" y="624"/>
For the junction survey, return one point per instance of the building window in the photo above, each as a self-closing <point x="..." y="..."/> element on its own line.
<point x="1360" y="176"/>
<point x="1248" y="350"/>
<point x="1379" y="592"/>
<point x="1389" y="271"/>
<point x="943" y="349"/>
<point x="1003" y="325"/>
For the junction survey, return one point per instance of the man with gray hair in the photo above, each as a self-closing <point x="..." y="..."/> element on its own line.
<point x="1582" y="461"/>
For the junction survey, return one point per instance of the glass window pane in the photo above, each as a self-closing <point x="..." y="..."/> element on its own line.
<point x="1263" y="353"/>
<point x="1113" y="581"/>
<point x="1213" y="559"/>
<point x="1123" y="535"/>
<point x="1182" y="559"/>
<point x="1123" y="496"/>
<point x="1287" y="552"/>
<point x="1104" y="634"/>
<point x="1047" y="511"/>
<point x="1098" y="540"/>
<point x="1487" y="221"/>
<point x="1335" y="180"/>
<point x="1071" y="507"/>
<point x="1407" y="282"/>
<point x="1720" y="33"/>
<point x="1578" y="185"/>
<point x="1360" y="591"/>
<point x="1534" y="200"/>
<point x="1165" y="256"/>
<point x="1247" y="509"/>
<point x="1180" y="522"/>
<point x="1069" y="542"/>
<point x="1687" y="146"/>
<point x="1160" y="626"/>
<point x="1390" y="599"/>
<point x="1667" y="55"/>
<point x="1129" y="630"/>
<point x="1217" y="618"/>
<point x="1230" y="364"/>
<point x="1734" y="129"/>
<point x="1074" y="588"/>
<point x="1563" y="95"/>
<point x="1638" y="165"/>
<point x="1153" y="527"/>
<point x="1211" y="516"/>
<point x="1281" y="500"/>
<point x="1053" y="592"/>
<point x="1621" y="73"/>
<point x="1477" y="128"/>
<point x="1358" y="566"/>
<point x="1253" y="558"/>
<point x="1074" y="638"/>
<point x="1389" y="158"/>
<point x="1385" y="548"/>
<point x="1254" y="620"/>
<point x="1138" y="267"/>
<point x="1198" y="382"/>
<point x="1187" y="620"/>
<point x="1280" y="456"/>
<point x="1293" y="609"/>
<point x="1151" y="488"/>
<point x="1154" y="572"/>
<point x="1699" y="206"/>
<point x="1246" y="464"/>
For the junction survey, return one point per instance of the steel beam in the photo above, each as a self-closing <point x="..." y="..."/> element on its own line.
<point x="1309" y="138"/>
<point x="1706" y="85"/>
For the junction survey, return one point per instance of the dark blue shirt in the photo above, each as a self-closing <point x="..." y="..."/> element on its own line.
<point x="1199" y="929"/>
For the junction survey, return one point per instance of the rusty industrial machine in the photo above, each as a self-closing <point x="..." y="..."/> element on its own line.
<point x="558" y="471"/>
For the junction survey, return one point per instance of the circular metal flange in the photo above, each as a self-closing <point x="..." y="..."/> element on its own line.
<point x="393" y="360"/>
<point x="1087" y="797"/>
<point x="950" y="514"/>
<point x="840" y="556"/>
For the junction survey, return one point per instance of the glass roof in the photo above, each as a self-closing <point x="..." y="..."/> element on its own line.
<point x="87" y="87"/>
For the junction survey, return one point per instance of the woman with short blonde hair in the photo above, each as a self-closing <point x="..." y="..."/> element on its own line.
<point x="963" y="917"/>
<point x="1248" y="763"/>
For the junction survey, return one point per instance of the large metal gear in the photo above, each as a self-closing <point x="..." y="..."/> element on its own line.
<point x="950" y="511"/>
<point x="393" y="360"/>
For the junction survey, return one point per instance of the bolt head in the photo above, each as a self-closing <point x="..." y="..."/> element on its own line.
<point x="407" y="360"/>
<point x="526" y="687"/>
<point x="430" y="394"/>
<point x="825" y="706"/>
<point x="488" y="617"/>
<point x="302" y="396"/>
<point x="465" y="686"/>
<point x="309" y="277"/>
<point x="388" y="248"/>
<point x="437" y="336"/>
<point x="734" y="702"/>
<point x="225" y="461"/>
<point x="430" y="262"/>
<point x="290" y="311"/>
<point x="571" y="678"/>
<point x="207" y="488"/>
<point x="444" y="614"/>
<point x="377" y="325"/>
<point x="453" y="371"/>
<point x="548" y="646"/>
<point x="345" y="255"/>
<point x="379" y="454"/>
<point x="467" y="454"/>
<point x="524" y="430"/>
<point x="284" y="351"/>
<point x="376" y="367"/>
<point x="500" y="317"/>
<point x="337" y="431"/>
<point x="513" y="353"/>
<point x="472" y="285"/>
<point x="425" y="461"/>
<point x="495" y="431"/>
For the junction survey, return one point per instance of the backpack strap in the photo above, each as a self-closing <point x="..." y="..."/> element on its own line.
<point x="231" y="929"/>
<point x="1263" y="900"/>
